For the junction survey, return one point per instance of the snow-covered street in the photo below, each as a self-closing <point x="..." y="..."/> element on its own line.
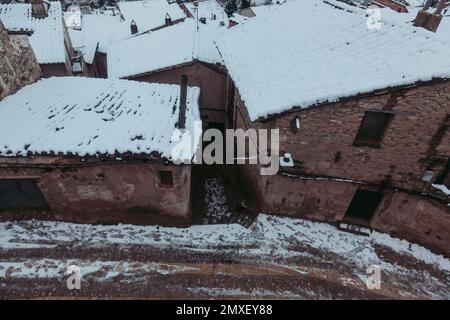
<point x="275" y="258"/>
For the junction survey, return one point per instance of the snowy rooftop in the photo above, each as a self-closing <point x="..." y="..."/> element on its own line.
<point x="308" y="52"/>
<point x="96" y="29"/>
<point x="170" y="46"/>
<point x="88" y="116"/>
<point x="47" y="39"/>
<point x="149" y="14"/>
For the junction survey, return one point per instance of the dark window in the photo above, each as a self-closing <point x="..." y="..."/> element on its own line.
<point x="363" y="206"/>
<point x="295" y="124"/>
<point x="165" y="178"/>
<point x="20" y="194"/>
<point x="372" y="128"/>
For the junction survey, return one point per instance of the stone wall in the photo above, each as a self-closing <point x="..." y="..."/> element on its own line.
<point x="416" y="140"/>
<point x="95" y="191"/>
<point x="329" y="168"/>
<point x="18" y="65"/>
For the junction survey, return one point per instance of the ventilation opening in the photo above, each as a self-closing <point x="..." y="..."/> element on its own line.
<point x="20" y="194"/>
<point x="165" y="178"/>
<point x="362" y="207"/>
<point x="372" y="128"/>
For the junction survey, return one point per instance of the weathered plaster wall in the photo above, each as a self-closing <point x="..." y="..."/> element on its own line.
<point x="113" y="191"/>
<point x="18" y="65"/>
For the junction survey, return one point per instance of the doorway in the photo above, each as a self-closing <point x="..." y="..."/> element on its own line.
<point x="362" y="207"/>
<point x="20" y="194"/>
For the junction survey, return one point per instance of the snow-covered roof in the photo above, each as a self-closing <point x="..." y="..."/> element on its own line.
<point x="87" y="116"/>
<point x="167" y="47"/>
<point x="96" y="29"/>
<point x="308" y="52"/>
<point x="149" y="14"/>
<point x="47" y="39"/>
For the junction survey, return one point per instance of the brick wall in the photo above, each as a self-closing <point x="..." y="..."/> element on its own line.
<point x="416" y="139"/>
<point x="18" y="65"/>
<point x="117" y="191"/>
<point x="329" y="168"/>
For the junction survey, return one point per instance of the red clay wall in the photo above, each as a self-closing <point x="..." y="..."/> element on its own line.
<point x="412" y="144"/>
<point x="55" y="70"/>
<point x="118" y="191"/>
<point x="415" y="141"/>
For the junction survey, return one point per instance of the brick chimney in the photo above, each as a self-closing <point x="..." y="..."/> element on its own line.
<point x="168" y="20"/>
<point x="133" y="27"/>
<point x="38" y="9"/>
<point x="183" y="97"/>
<point x="428" y="20"/>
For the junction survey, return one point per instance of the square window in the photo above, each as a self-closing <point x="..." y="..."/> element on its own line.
<point x="165" y="178"/>
<point x="372" y="128"/>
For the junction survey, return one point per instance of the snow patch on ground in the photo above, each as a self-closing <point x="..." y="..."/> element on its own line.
<point x="50" y="268"/>
<point x="269" y="236"/>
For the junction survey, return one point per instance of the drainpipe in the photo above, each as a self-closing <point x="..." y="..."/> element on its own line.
<point x="183" y="96"/>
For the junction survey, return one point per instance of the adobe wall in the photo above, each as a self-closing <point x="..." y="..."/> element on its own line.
<point x="18" y="64"/>
<point x="107" y="192"/>
<point x="416" y="139"/>
<point x="55" y="70"/>
<point x="329" y="168"/>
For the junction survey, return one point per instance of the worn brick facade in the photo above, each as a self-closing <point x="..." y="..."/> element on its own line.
<point x="95" y="191"/>
<point x="329" y="168"/>
<point x="18" y="65"/>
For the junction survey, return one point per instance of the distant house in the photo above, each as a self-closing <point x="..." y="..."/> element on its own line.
<point x="363" y="114"/>
<point x="185" y="48"/>
<point x="97" y="30"/>
<point x="97" y="150"/>
<point x="48" y="35"/>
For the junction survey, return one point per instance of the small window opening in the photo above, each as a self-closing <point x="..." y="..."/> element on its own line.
<point x="165" y="178"/>
<point x="372" y="128"/>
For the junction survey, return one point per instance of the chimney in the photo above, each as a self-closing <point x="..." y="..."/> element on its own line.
<point x="427" y="5"/>
<point x="38" y="9"/>
<point x="439" y="7"/>
<point x="168" y="20"/>
<point x="133" y="27"/>
<point x="428" y="20"/>
<point x="183" y="96"/>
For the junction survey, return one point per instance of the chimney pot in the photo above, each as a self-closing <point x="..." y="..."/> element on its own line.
<point x="38" y="9"/>
<point x="133" y="27"/>
<point x="427" y="5"/>
<point x="168" y="20"/>
<point x="183" y="97"/>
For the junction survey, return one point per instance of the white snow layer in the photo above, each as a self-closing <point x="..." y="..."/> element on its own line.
<point x="170" y="46"/>
<point x="88" y="116"/>
<point x="149" y="14"/>
<point x="47" y="39"/>
<point x="308" y="52"/>
<point x="269" y="236"/>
